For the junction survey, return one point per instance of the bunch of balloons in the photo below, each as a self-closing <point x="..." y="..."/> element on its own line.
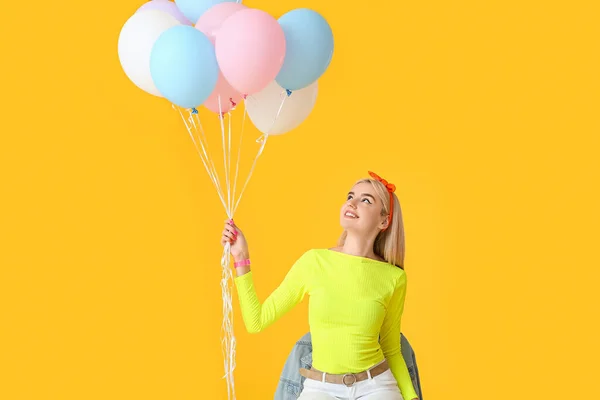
<point x="216" y="53"/>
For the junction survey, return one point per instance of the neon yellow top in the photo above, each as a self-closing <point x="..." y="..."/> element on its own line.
<point x="355" y="310"/>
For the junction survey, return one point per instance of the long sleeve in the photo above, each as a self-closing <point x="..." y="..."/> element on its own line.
<point x="290" y="292"/>
<point x="390" y="340"/>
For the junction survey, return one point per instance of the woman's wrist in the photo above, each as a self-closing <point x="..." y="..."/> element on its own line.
<point x="241" y="257"/>
<point x="239" y="271"/>
<point x="242" y="264"/>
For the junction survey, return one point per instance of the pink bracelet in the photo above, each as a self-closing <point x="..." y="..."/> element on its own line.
<point x="242" y="263"/>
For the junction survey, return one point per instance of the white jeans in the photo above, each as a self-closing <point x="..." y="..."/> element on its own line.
<point x="380" y="387"/>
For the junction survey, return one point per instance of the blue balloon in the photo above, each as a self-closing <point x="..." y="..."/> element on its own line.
<point x="309" y="48"/>
<point x="193" y="9"/>
<point x="184" y="66"/>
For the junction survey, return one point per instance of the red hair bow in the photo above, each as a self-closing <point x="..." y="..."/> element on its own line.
<point x="391" y="188"/>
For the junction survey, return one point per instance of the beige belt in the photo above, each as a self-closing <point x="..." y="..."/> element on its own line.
<point x="344" y="379"/>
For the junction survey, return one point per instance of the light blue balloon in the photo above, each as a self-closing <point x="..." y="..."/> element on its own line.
<point x="193" y="9"/>
<point x="309" y="48"/>
<point x="184" y="66"/>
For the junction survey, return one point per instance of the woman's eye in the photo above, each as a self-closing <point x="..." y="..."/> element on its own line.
<point x="368" y="201"/>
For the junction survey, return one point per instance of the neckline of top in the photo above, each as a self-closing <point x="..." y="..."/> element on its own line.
<point x="360" y="258"/>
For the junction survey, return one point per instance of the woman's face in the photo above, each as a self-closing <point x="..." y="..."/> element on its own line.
<point x="362" y="210"/>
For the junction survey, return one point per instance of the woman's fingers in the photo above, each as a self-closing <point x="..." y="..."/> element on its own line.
<point x="230" y="233"/>
<point x="231" y="229"/>
<point x="225" y="240"/>
<point x="228" y="237"/>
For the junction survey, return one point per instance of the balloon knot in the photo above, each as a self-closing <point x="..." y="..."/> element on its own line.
<point x="245" y="96"/>
<point x="233" y="103"/>
<point x="222" y="115"/>
<point x="194" y="110"/>
<point x="289" y="92"/>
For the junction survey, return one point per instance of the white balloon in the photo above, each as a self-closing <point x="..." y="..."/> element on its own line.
<point x="136" y="40"/>
<point x="263" y="106"/>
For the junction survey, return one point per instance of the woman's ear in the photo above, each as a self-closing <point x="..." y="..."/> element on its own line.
<point x="385" y="223"/>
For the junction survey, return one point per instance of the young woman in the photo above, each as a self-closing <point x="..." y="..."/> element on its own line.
<point x="357" y="292"/>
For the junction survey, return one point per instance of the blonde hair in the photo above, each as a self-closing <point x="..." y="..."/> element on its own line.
<point x="389" y="243"/>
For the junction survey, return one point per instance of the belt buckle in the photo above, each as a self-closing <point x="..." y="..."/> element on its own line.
<point x="344" y="379"/>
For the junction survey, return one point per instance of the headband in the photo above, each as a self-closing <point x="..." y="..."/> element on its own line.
<point x="391" y="188"/>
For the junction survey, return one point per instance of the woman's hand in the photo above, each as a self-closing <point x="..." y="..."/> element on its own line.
<point x="233" y="235"/>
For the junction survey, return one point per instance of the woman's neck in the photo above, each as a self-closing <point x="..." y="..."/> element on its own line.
<point x="358" y="246"/>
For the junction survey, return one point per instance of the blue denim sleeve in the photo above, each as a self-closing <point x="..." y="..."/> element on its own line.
<point x="411" y="363"/>
<point x="291" y="382"/>
<point x="417" y="384"/>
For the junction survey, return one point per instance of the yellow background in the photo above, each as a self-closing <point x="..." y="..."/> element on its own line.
<point x="483" y="113"/>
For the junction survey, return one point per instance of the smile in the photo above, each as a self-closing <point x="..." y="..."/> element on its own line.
<point x="350" y="214"/>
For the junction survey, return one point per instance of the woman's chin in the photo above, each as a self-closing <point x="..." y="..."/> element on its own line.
<point x="349" y="225"/>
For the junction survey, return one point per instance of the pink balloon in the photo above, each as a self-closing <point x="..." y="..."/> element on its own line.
<point x="229" y="96"/>
<point x="210" y="22"/>
<point x="250" y="49"/>
<point x="168" y="7"/>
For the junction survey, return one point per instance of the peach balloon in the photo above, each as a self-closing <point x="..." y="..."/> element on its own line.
<point x="209" y="23"/>
<point x="229" y="96"/>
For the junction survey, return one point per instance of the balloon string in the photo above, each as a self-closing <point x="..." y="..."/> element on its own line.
<point x="229" y="159"/>
<point x="263" y="141"/>
<point x="228" y="341"/>
<point x="212" y="163"/>
<point x="190" y="131"/>
<point x="197" y="123"/>
<point x="228" y="210"/>
<point x="237" y="165"/>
